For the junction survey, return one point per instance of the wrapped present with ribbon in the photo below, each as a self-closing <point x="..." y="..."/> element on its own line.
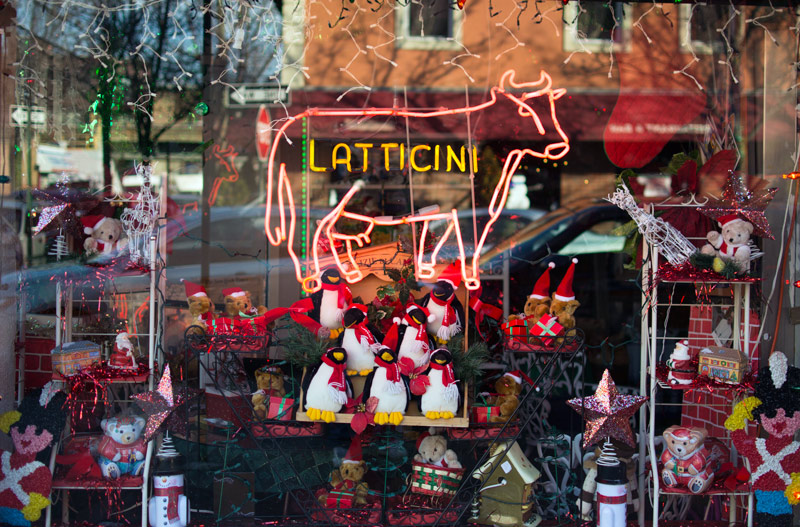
<point x="221" y="326"/>
<point x="482" y="411"/>
<point x="434" y="480"/>
<point x="280" y="408"/>
<point x="340" y="499"/>
<point x="516" y="329"/>
<point x="248" y="326"/>
<point x="546" y="328"/>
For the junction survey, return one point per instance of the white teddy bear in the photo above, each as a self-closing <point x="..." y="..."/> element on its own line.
<point x="733" y="242"/>
<point x="433" y="451"/>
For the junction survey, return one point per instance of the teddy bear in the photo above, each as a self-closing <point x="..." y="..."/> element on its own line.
<point x="270" y="383"/>
<point x="122" y="449"/>
<point x="564" y="304"/>
<point x="587" y="498"/>
<point x="349" y="490"/>
<point x="200" y="306"/>
<point x="238" y="303"/>
<point x="733" y="243"/>
<point x="538" y="302"/>
<point x="106" y="235"/>
<point x="432" y="450"/>
<point x="687" y="461"/>
<point x="508" y="387"/>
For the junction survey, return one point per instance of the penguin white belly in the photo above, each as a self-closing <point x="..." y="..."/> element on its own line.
<point x="330" y="315"/>
<point x="412" y="348"/>
<point x="434" y="400"/>
<point x="435" y="309"/>
<point x="387" y="401"/>
<point x="319" y="395"/>
<point x="358" y="358"/>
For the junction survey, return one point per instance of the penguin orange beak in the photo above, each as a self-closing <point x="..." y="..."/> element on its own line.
<point x="440" y="361"/>
<point x="333" y="279"/>
<point x="338" y="356"/>
<point x="386" y="356"/>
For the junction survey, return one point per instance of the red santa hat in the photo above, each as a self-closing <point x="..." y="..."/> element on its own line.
<point x="234" y="291"/>
<point x="193" y="289"/>
<point x="90" y="223"/>
<point x="354" y="454"/>
<point x="728" y="218"/>
<point x="564" y="292"/>
<point x="681" y="351"/>
<point x="360" y="307"/>
<point x="518" y="376"/>
<point x="421" y="437"/>
<point x="452" y="275"/>
<point x="542" y="287"/>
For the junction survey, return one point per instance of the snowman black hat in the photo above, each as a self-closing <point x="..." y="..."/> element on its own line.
<point x="778" y="387"/>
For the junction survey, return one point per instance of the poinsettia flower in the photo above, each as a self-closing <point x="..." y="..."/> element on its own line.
<point x="685" y="180"/>
<point x="364" y="414"/>
<point x="418" y="382"/>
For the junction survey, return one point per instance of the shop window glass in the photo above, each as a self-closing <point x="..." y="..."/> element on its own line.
<point x="424" y="24"/>
<point x="595" y="26"/>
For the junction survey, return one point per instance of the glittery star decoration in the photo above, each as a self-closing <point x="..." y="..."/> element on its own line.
<point x="746" y="204"/>
<point x="607" y="413"/>
<point x="47" y="215"/>
<point x="160" y="406"/>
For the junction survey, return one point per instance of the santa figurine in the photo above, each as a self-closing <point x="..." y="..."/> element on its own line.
<point x="169" y="506"/>
<point x="681" y="369"/>
<point x="123" y="357"/>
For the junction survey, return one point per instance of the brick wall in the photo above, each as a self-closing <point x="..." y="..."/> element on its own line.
<point x="706" y="410"/>
<point x="38" y="366"/>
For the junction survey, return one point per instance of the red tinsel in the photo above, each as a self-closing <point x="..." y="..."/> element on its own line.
<point x="703" y="383"/>
<point x="688" y="273"/>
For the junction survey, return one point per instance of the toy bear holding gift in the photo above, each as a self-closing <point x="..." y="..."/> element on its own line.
<point x="348" y="488"/>
<point x="775" y="459"/>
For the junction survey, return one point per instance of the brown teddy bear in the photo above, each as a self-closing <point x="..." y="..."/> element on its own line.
<point x="238" y="302"/>
<point x="348" y="488"/>
<point x="538" y="303"/>
<point x="508" y="387"/>
<point x="270" y="383"/>
<point x="200" y="306"/>
<point x="432" y="450"/>
<point x="106" y="235"/>
<point x="564" y="304"/>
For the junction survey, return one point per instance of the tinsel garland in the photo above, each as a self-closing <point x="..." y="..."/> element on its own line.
<point x="704" y="383"/>
<point x="688" y="273"/>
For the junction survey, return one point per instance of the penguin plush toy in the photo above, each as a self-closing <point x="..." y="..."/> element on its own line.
<point x="386" y="384"/>
<point x="325" y="308"/>
<point x="409" y="337"/>
<point x="329" y="388"/>
<point x="441" y="398"/>
<point x="443" y="303"/>
<point x="360" y="339"/>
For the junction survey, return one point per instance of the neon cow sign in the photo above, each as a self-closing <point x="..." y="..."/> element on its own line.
<point x="279" y="189"/>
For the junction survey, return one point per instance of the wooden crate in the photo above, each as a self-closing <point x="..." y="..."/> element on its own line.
<point x="413" y="416"/>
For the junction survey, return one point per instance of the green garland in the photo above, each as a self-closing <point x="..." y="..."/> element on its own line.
<point x="300" y="346"/>
<point x="467" y="365"/>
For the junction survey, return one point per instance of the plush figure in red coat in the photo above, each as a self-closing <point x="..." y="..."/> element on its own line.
<point x="123" y="357"/>
<point x="775" y="459"/>
<point x="681" y="369"/>
<point x="686" y="459"/>
<point x="122" y="449"/>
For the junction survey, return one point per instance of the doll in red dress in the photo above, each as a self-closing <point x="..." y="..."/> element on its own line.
<point x="775" y="459"/>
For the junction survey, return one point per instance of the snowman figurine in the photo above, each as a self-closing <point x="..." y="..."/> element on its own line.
<point x="681" y="370"/>
<point x="169" y="506"/>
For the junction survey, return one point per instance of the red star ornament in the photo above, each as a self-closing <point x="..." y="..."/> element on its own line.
<point x="746" y="204"/>
<point x="160" y="406"/>
<point x="607" y="413"/>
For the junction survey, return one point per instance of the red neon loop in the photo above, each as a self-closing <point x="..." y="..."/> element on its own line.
<point x="279" y="189"/>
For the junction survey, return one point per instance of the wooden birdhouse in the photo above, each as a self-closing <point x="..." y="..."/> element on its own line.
<point x="506" y="495"/>
<point x="723" y="364"/>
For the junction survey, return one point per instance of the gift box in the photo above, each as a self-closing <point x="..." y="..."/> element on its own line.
<point x="280" y="408"/>
<point x="340" y="499"/>
<point x="433" y="480"/>
<point x="250" y="326"/>
<point x="75" y="356"/>
<point x="546" y="328"/>
<point x="482" y="412"/>
<point x="516" y="330"/>
<point x="227" y="406"/>
<point x="221" y="326"/>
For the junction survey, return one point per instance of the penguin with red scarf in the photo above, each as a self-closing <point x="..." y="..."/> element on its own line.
<point x="328" y="389"/>
<point x="441" y="397"/>
<point x="389" y="387"/>
<point x="409" y="337"/>
<point x="322" y="312"/>
<point x="443" y="303"/>
<point x="361" y="339"/>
